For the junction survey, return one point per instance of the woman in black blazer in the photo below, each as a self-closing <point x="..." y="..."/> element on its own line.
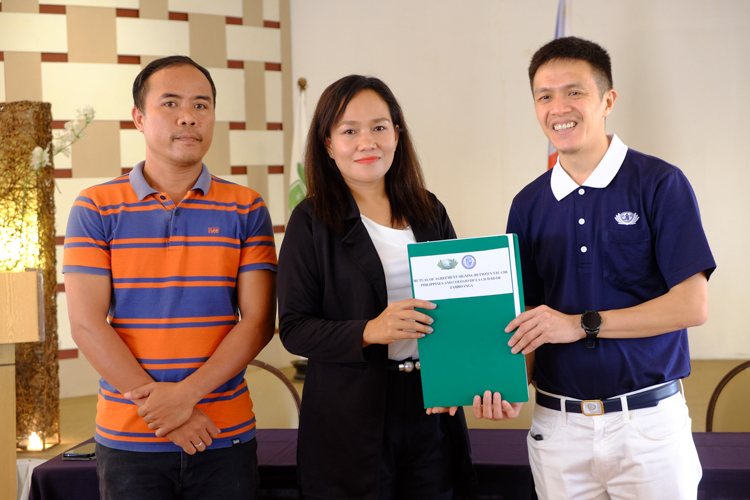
<point x="364" y="433"/>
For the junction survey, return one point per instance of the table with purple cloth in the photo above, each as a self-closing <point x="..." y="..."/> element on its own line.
<point x="59" y="479"/>
<point x="500" y="460"/>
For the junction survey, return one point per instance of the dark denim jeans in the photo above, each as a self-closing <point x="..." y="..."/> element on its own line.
<point x="225" y="473"/>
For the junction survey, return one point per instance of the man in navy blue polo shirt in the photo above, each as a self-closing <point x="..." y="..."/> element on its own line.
<point x="615" y="268"/>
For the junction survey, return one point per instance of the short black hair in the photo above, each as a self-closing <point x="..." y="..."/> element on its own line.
<point x="576" y="49"/>
<point x="140" y="85"/>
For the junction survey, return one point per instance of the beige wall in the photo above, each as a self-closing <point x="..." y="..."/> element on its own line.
<point x="459" y="71"/>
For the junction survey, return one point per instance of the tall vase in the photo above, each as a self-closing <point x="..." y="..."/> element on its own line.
<point x="27" y="231"/>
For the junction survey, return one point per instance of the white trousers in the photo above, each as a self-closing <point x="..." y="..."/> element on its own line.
<point x="644" y="454"/>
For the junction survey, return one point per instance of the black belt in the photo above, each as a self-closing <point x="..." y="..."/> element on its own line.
<point x="645" y="399"/>
<point x="407" y="365"/>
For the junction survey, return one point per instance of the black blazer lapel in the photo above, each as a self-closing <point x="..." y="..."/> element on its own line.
<point x="362" y="252"/>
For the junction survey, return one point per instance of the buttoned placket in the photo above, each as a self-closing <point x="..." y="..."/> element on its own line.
<point x="176" y="224"/>
<point x="583" y="228"/>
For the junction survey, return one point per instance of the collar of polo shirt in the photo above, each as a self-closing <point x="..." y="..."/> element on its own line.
<point x="142" y="189"/>
<point x="562" y="184"/>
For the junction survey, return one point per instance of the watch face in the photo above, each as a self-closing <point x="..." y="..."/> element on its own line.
<point x="591" y="320"/>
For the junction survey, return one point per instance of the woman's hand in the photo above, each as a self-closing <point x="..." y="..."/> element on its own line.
<point x="399" y="321"/>
<point x="439" y="409"/>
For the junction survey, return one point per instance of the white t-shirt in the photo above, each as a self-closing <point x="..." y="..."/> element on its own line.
<point x="391" y="247"/>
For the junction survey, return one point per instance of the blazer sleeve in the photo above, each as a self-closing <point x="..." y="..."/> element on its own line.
<point x="302" y="327"/>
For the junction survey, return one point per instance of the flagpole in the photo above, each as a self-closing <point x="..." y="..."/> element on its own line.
<point x="297" y="184"/>
<point x="562" y="29"/>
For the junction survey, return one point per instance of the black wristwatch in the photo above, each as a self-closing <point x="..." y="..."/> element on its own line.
<point x="591" y="322"/>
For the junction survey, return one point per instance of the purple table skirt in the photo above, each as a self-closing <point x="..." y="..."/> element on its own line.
<point x="277" y="465"/>
<point x="500" y="459"/>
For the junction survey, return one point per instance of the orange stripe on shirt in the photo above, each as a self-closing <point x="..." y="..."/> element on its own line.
<point x="130" y="438"/>
<point x="88" y="257"/>
<point x="170" y="366"/>
<point x="192" y="342"/>
<point x="238" y="431"/>
<point x="178" y="284"/>
<point x="259" y="238"/>
<point x="85" y="240"/>
<point x="255" y="254"/>
<point x="142" y="208"/>
<point x="115" y="395"/>
<point x="195" y="206"/>
<point x="156" y="262"/>
<point x="85" y="204"/>
<point x="240" y="387"/>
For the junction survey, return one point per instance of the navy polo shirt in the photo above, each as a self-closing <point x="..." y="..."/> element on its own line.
<point x="627" y="235"/>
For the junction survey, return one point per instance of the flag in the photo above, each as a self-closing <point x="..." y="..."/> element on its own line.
<point x="562" y="29"/>
<point x="297" y="185"/>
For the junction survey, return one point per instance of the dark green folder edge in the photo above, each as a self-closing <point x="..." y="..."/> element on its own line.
<point x="469" y="353"/>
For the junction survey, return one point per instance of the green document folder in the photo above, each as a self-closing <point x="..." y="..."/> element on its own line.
<point x="477" y="286"/>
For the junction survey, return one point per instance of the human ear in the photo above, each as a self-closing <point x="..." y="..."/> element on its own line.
<point x="137" y="118"/>
<point x="609" y="101"/>
<point x="328" y="147"/>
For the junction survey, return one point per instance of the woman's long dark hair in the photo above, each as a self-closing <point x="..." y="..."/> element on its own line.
<point x="404" y="182"/>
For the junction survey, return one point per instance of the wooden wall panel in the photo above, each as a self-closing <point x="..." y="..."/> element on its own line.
<point x="23" y="76"/>
<point x="154" y="9"/>
<point x="252" y="13"/>
<point x="28" y="6"/>
<point x="208" y="35"/>
<point x="98" y="154"/>
<point x="255" y="92"/>
<point x="91" y="35"/>
<point x="7" y="422"/>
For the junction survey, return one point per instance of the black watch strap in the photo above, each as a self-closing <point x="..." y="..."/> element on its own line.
<point x="591" y="322"/>
<point x="591" y="338"/>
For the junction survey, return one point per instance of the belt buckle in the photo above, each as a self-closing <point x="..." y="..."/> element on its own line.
<point x="408" y="366"/>
<point x="592" y="407"/>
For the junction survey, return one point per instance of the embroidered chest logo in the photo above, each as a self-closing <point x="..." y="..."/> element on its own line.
<point x="627" y="218"/>
<point x="213" y="230"/>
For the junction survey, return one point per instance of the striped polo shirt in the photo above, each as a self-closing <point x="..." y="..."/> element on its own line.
<point x="174" y="274"/>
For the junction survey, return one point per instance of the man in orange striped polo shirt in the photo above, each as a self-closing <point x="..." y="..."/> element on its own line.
<point x="171" y="289"/>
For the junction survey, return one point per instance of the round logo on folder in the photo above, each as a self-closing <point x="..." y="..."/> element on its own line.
<point x="468" y="262"/>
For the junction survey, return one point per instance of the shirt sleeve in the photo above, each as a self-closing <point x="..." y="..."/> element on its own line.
<point x="258" y="249"/>
<point x="86" y="247"/>
<point x="681" y="246"/>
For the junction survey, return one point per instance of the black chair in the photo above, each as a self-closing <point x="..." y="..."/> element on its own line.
<point x="731" y="412"/>
<point x="272" y="405"/>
